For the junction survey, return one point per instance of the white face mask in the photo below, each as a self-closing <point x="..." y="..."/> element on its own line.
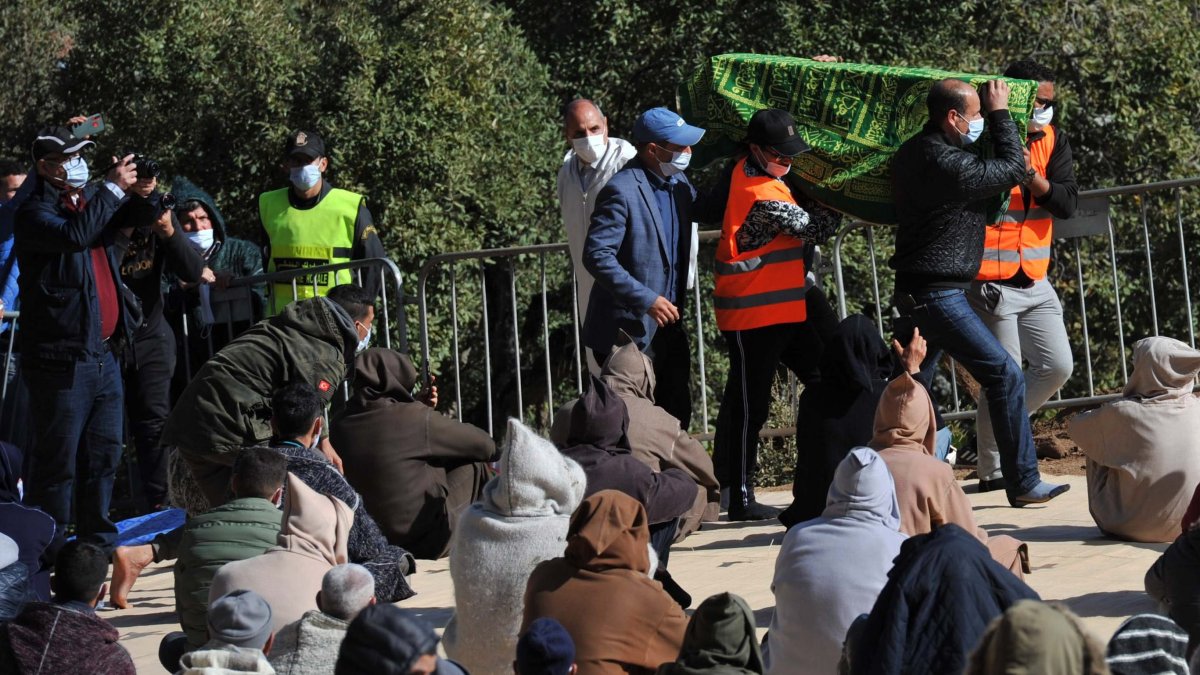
<point x="363" y="343"/>
<point x="589" y="148"/>
<point x="773" y="168"/>
<point x="305" y="177"/>
<point x="1041" y="117"/>
<point x="201" y="240"/>
<point x="678" y="164"/>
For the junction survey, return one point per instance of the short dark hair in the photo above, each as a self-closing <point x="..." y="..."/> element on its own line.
<point x="11" y="167"/>
<point x="294" y="407"/>
<point x="191" y="205"/>
<point x="944" y="96"/>
<point x="80" y="569"/>
<point x="1028" y="69"/>
<point x="258" y="472"/>
<point x="353" y="299"/>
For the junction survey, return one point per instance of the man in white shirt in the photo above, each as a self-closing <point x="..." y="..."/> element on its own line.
<point x="593" y="158"/>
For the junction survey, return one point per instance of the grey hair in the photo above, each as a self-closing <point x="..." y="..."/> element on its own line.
<point x="346" y="590"/>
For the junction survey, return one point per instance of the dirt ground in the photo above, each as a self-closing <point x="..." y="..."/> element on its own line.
<point x="1057" y="454"/>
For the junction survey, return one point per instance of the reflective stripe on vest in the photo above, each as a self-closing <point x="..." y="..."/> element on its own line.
<point x="765" y="286"/>
<point x="1021" y="240"/>
<point x="322" y="235"/>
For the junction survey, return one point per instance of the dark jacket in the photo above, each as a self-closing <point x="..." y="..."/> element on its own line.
<point x="31" y="528"/>
<point x="146" y="256"/>
<point x="366" y="546"/>
<point x="15" y="590"/>
<point x="1174" y="581"/>
<point x="60" y="318"/>
<point x="397" y="451"/>
<point x="942" y="194"/>
<point x="1063" y="196"/>
<point x="48" y="639"/>
<point x="236" y="530"/>
<point x="384" y="640"/>
<point x="227" y="405"/>
<point x="626" y="251"/>
<point x="598" y="441"/>
<point x="942" y="592"/>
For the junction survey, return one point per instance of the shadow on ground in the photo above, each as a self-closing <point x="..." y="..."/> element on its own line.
<point x="1111" y="603"/>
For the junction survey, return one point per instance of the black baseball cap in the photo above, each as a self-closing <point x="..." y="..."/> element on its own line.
<point x="57" y="140"/>
<point x="306" y="144"/>
<point x="776" y="129"/>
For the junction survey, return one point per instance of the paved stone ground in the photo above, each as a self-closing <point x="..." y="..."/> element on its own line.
<point x="1098" y="578"/>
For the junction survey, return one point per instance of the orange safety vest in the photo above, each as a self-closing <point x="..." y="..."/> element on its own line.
<point x="765" y="286"/>
<point x="1021" y="240"/>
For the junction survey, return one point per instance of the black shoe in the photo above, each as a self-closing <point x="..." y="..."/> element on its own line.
<point x="752" y="511"/>
<point x="967" y="456"/>
<point x="673" y="589"/>
<point x="994" y="484"/>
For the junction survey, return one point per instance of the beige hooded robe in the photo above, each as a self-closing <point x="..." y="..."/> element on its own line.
<point x="655" y="437"/>
<point x="929" y="495"/>
<point x="1143" y="451"/>
<point x="311" y="542"/>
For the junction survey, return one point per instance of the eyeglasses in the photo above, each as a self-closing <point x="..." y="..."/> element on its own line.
<point x="1047" y="102"/>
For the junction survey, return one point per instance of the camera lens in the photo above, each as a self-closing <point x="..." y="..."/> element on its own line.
<point x="168" y="202"/>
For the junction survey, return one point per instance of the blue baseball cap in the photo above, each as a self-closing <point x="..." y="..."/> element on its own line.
<point x="660" y="124"/>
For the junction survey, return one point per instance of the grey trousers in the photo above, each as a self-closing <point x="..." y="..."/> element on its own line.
<point x="1028" y="322"/>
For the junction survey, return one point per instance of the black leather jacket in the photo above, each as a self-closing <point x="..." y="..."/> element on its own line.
<point x="941" y="192"/>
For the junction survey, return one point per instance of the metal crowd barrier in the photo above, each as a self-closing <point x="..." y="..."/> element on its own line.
<point x="487" y="290"/>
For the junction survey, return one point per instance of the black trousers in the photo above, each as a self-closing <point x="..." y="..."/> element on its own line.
<point x="148" y="402"/>
<point x="671" y="353"/>
<point x="754" y="358"/>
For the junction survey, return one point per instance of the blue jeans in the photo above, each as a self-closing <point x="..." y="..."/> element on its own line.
<point x="78" y="419"/>
<point x="948" y="323"/>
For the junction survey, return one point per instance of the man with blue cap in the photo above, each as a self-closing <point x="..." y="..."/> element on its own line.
<point x="637" y="250"/>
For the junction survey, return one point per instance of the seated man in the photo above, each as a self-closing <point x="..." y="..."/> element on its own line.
<point x="601" y="591"/>
<point x="387" y="639"/>
<point x="242" y="528"/>
<point x="546" y="648"/>
<point x="311" y="542"/>
<point x="599" y="441"/>
<point x="297" y="419"/>
<point x="416" y="469"/>
<point x="311" y="644"/>
<point x="520" y="521"/>
<point x="66" y="636"/>
<point x="239" y="627"/>
<point x="926" y="489"/>
<point x="655" y="437"/>
<point x="861" y="523"/>
<point x="32" y="529"/>
<point x="1174" y="579"/>
<point x="721" y="640"/>
<point x="15" y="588"/>
<point x="1143" y="451"/>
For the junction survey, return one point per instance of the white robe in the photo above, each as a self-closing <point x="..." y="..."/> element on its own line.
<point x="577" y="203"/>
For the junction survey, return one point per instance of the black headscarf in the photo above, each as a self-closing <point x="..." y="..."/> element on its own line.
<point x="600" y="419"/>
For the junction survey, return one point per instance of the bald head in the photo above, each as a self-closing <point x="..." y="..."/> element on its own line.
<point x="581" y="119"/>
<point x="952" y="105"/>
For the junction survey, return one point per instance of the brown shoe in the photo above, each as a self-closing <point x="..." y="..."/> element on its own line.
<point x="128" y="563"/>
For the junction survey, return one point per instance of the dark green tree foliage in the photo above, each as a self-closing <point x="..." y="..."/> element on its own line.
<point x="35" y="36"/>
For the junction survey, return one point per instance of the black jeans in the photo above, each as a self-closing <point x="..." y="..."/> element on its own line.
<point x="754" y="358"/>
<point x="148" y="402"/>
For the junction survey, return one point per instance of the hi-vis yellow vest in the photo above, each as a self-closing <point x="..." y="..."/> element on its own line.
<point x="1021" y="240"/>
<point x="322" y="235"/>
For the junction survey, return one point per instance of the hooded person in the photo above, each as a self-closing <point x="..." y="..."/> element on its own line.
<point x="1037" y="637"/>
<point x="387" y="640"/>
<point x="520" y="521"/>
<point x="15" y="590"/>
<point x="834" y="413"/>
<point x="655" y="437"/>
<point x="227" y="405"/>
<point x="861" y="522"/>
<point x="239" y="625"/>
<point x="32" y="529"/>
<point x="416" y="469"/>
<point x="600" y="590"/>
<point x="1143" y="451"/>
<point x="720" y="640"/>
<point x="311" y="542"/>
<point x="1148" y="644"/>
<point x="942" y="593"/>
<point x="215" y="313"/>
<point x="926" y="489"/>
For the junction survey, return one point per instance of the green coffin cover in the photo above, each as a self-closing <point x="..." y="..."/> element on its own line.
<point x="853" y="115"/>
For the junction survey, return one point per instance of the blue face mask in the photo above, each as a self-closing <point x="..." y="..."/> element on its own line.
<point x="77" y="172"/>
<point x="974" y="129"/>
<point x="678" y="164"/>
<point x="305" y="177"/>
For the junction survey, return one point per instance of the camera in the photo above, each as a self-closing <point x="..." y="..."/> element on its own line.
<point x="145" y="166"/>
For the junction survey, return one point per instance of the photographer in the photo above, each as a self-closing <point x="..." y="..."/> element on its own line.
<point x="151" y="241"/>
<point x="72" y="326"/>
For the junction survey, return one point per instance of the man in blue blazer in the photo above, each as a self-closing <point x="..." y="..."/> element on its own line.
<point x="638" y="248"/>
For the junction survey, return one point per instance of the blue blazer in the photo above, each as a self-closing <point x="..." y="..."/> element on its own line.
<point x="626" y="253"/>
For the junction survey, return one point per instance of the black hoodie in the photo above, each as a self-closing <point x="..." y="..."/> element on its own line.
<point x="598" y="442"/>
